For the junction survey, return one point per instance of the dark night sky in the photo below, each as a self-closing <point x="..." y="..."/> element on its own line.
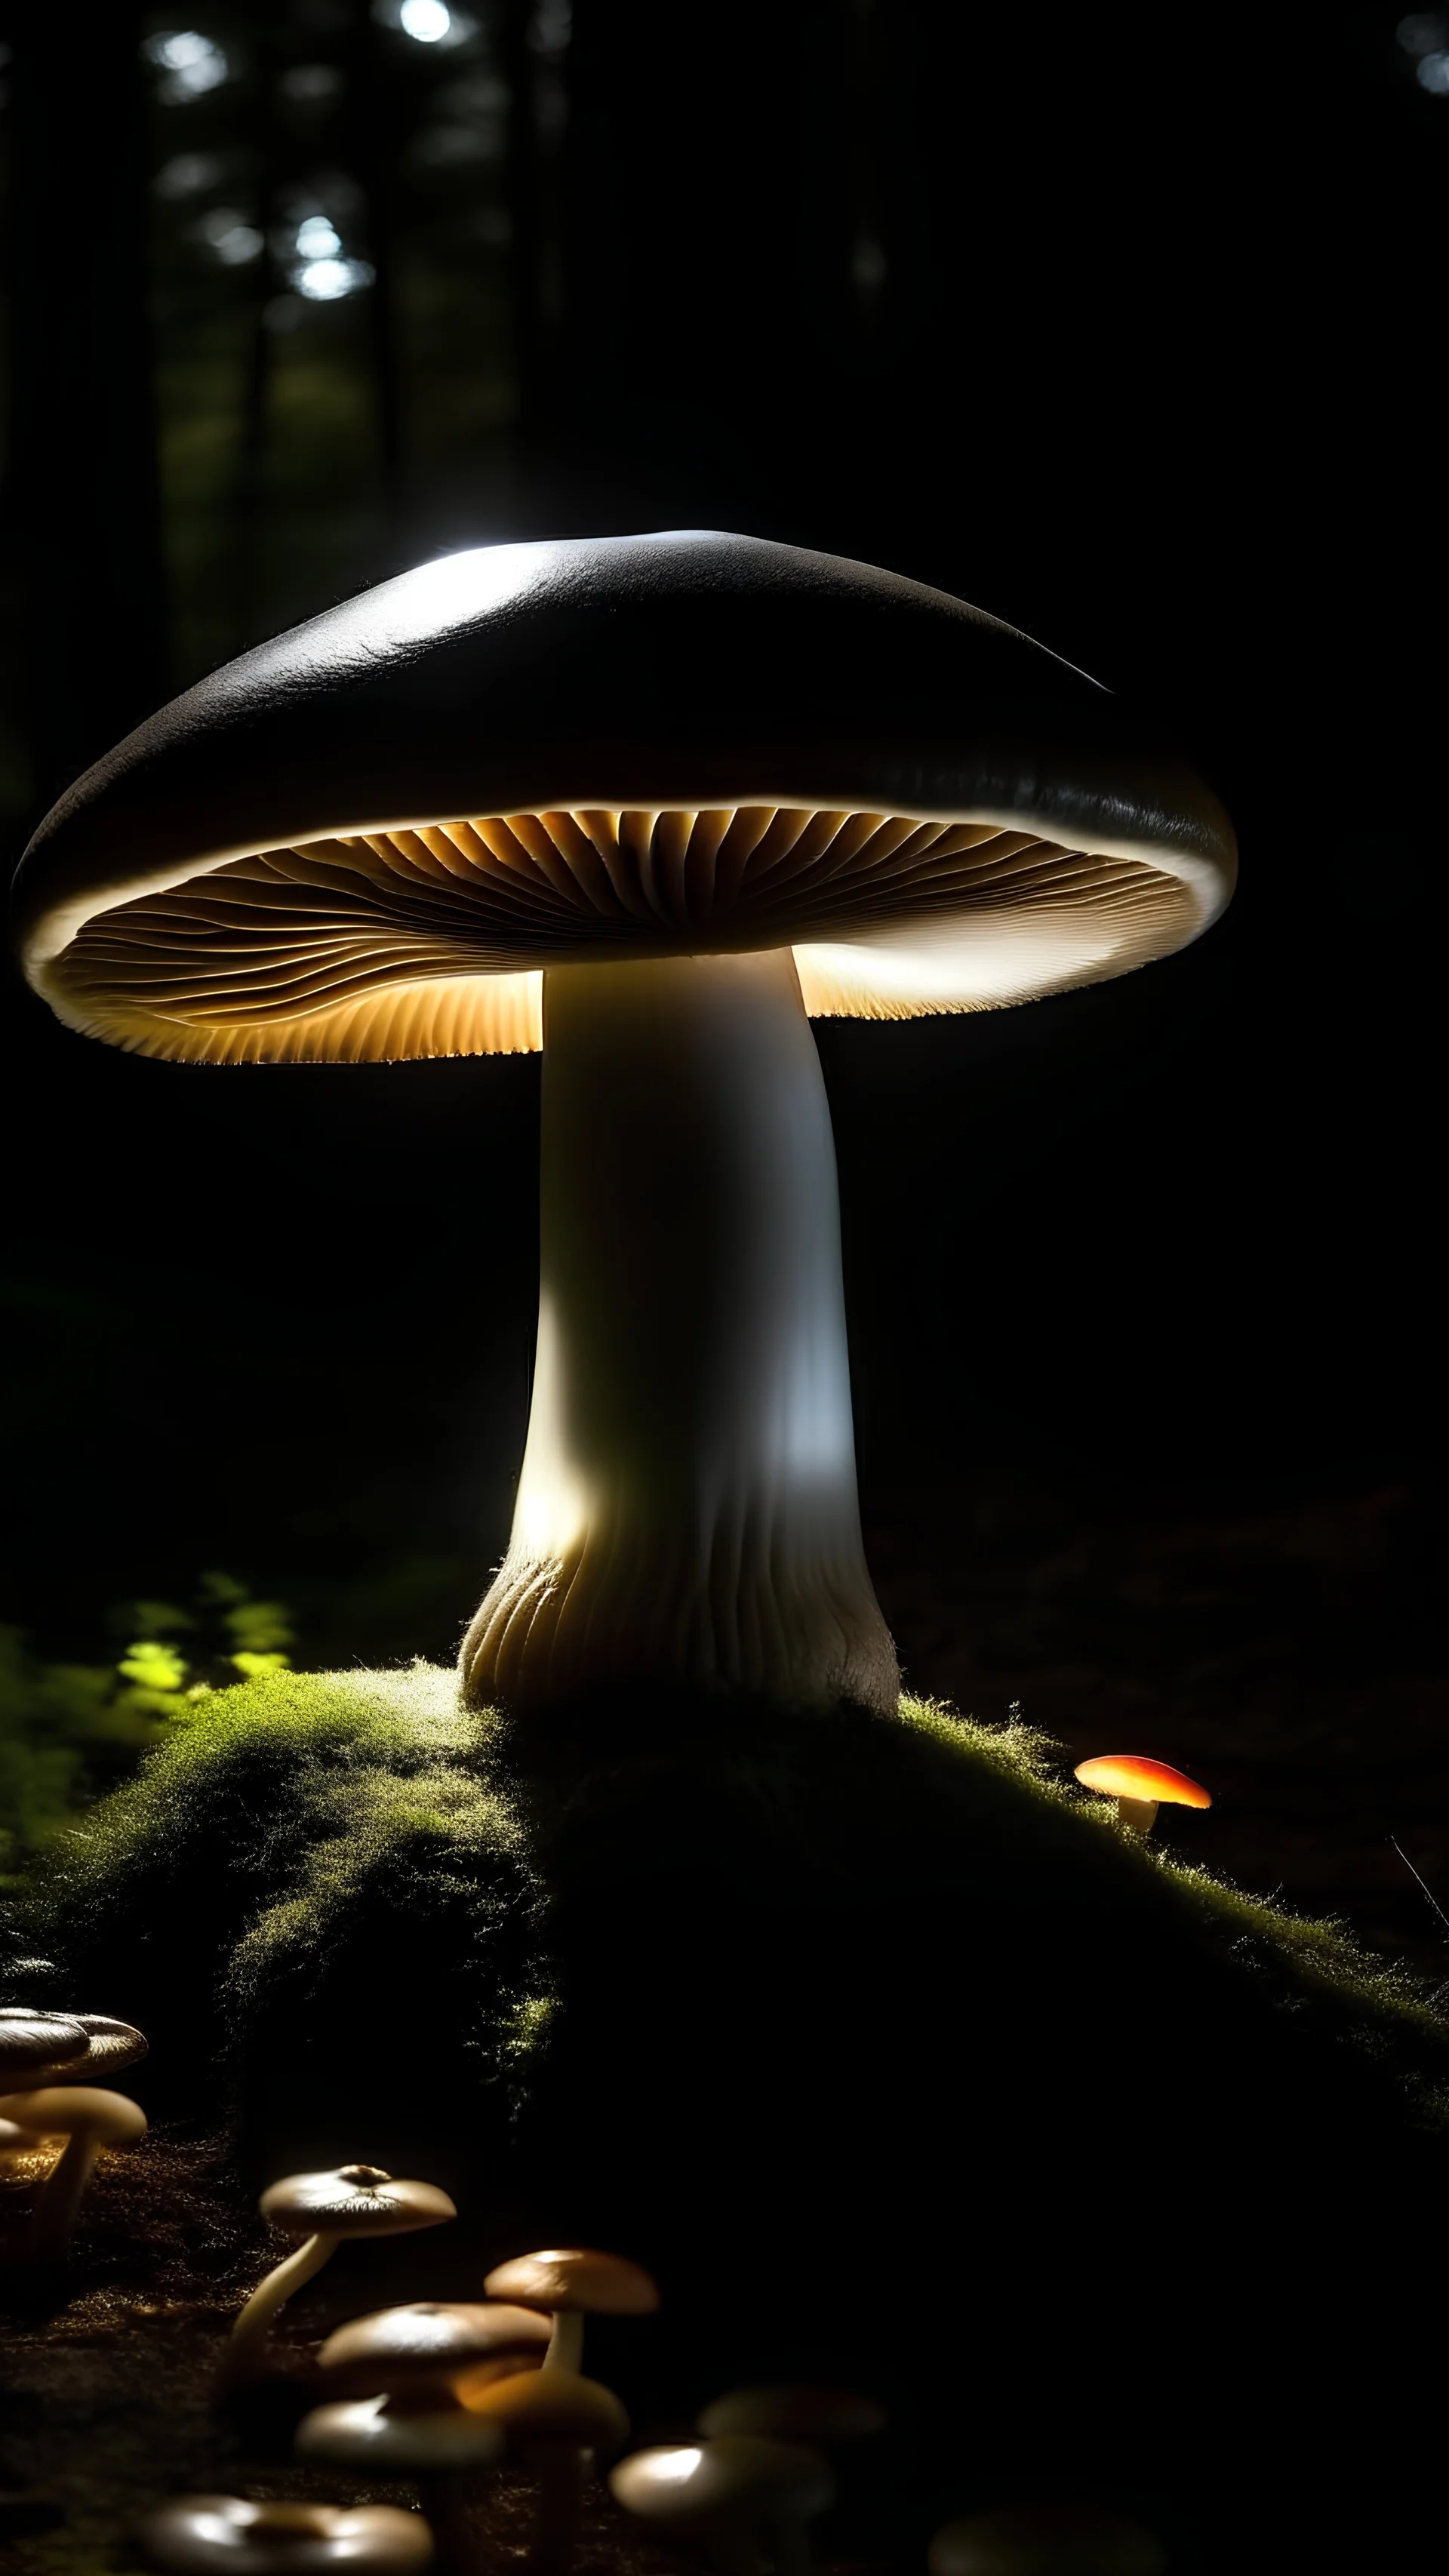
<point x="1140" y="360"/>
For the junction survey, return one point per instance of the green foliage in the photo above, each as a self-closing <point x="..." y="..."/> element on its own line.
<point x="69" y="1731"/>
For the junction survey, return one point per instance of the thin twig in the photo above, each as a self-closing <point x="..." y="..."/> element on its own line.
<point x="1428" y="1891"/>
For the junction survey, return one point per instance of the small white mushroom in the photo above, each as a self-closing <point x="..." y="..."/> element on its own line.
<point x="730" y="2493"/>
<point x="792" y="2413"/>
<point x="427" y="2438"/>
<point x="322" y="2209"/>
<point x="1045" y="2540"/>
<point x="88" y="2120"/>
<point x="573" y="2283"/>
<point x="221" y="2535"/>
<point x="553" y="2421"/>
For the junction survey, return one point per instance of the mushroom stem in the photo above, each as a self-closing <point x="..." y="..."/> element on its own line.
<point x="61" y="2195"/>
<point x="246" y="2352"/>
<point x="687" y="1511"/>
<point x="566" y="2343"/>
<point x="1139" y="1815"/>
<point x="443" y="2496"/>
<point x="562" y="2469"/>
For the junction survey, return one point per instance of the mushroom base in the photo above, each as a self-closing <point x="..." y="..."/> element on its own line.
<point x="687" y="1508"/>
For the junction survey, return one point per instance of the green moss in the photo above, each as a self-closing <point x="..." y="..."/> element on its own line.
<point x="314" y="1851"/>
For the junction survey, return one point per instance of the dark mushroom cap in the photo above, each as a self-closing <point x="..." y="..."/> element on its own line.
<point x="375" y="2439"/>
<point x="572" y="2279"/>
<point x="1045" y="2540"/>
<point x="196" y="2535"/>
<point x="431" y="2340"/>
<point x="32" y="2044"/>
<point x="367" y="837"/>
<point x="539" y="2408"/>
<point x="794" y="2414"/>
<point x="353" y="2200"/>
<point x="740" y="2475"/>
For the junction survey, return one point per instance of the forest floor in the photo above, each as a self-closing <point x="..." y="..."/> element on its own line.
<point x="106" y="2380"/>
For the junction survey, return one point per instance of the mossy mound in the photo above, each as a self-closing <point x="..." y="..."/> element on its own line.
<point x="890" y="2053"/>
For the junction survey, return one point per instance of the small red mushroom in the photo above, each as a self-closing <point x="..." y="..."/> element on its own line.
<point x="1140" y="1786"/>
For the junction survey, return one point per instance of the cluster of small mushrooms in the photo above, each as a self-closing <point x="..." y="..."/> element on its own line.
<point x="442" y="2394"/>
<point x="47" y="2061"/>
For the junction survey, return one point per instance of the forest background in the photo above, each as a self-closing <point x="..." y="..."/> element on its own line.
<point x="1118" y="323"/>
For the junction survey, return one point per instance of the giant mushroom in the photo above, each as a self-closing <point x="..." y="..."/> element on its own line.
<point x="651" y="802"/>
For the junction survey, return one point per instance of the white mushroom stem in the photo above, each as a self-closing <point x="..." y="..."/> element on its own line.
<point x="687" y="1511"/>
<point x="245" y="2357"/>
<point x="565" y="2348"/>
<point x="1139" y="1815"/>
<point x="61" y="2195"/>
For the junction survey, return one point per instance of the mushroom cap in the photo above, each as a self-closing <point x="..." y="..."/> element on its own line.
<point x="793" y="2414"/>
<point x="682" y="2483"/>
<point x="1132" y="1775"/>
<point x="110" y="2046"/>
<point x="571" y="2278"/>
<point x="368" y="837"/>
<point x="431" y="2339"/>
<point x="544" y="2406"/>
<point x="33" y="2043"/>
<point x="1045" y="2540"/>
<point x="17" y="2141"/>
<point x="64" y="2110"/>
<point x="353" y="2200"/>
<point x="195" y="2534"/>
<point x="369" y="2436"/>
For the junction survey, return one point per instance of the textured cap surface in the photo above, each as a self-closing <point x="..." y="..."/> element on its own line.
<point x="368" y="837"/>
<point x="31" y="2043"/>
<point x="353" y="2200"/>
<point x="571" y="2278"/>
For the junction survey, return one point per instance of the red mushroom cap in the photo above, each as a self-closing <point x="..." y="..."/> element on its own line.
<point x="1132" y="1775"/>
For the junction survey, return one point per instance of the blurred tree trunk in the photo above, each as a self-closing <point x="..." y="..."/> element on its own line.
<point x="374" y="142"/>
<point x="518" y="65"/>
<point x="84" y="484"/>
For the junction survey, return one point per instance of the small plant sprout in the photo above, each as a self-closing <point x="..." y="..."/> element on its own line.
<point x="1140" y="1787"/>
<point x="553" y="2422"/>
<point x="1045" y="2540"/>
<point x="204" y="2535"/>
<point x="572" y="2283"/>
<point x="821" y="2416"/>
<point x="34" y="2044"/>
<point x="322" y="2209"/>
<point x="728" y="2495"/>
<point x="88" y="2120"/>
